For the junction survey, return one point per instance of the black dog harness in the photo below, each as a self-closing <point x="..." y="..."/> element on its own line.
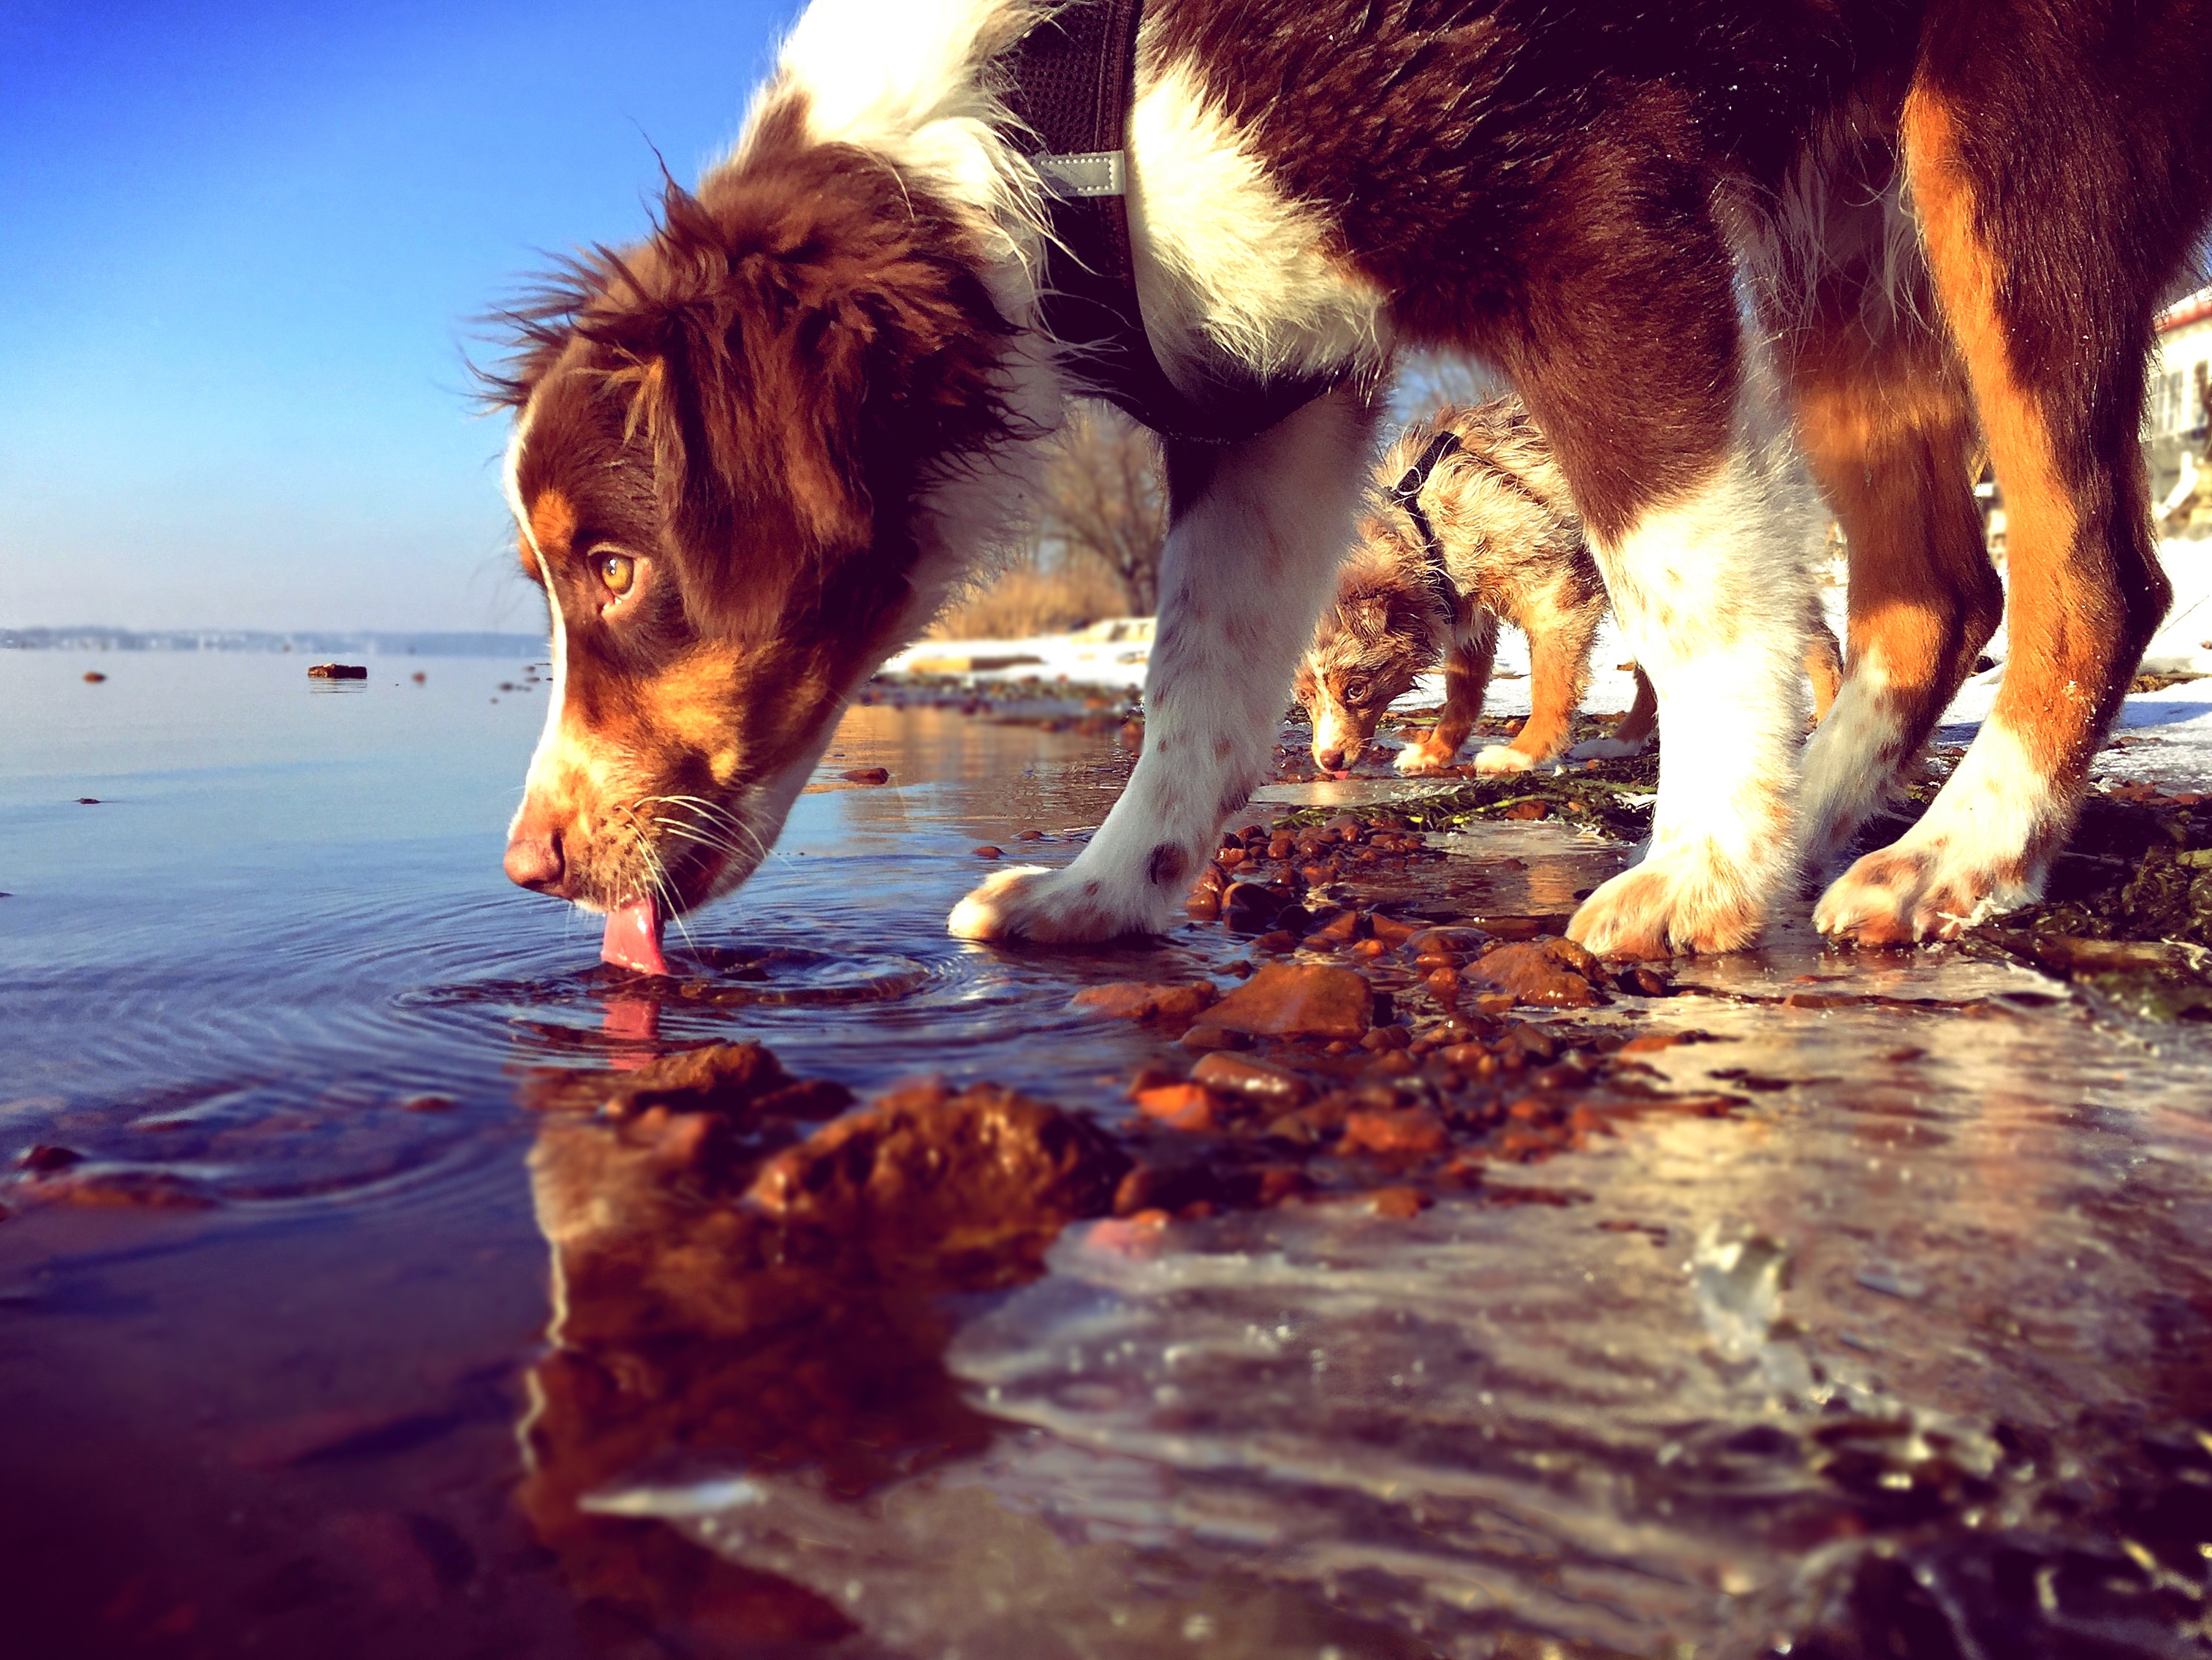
<point x="1407" y="493"/>
<point x="1074" y="76"/>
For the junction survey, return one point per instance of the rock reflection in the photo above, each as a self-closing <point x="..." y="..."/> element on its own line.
<point x="1909" y="1361"/>
<point x="731" y="1295"/>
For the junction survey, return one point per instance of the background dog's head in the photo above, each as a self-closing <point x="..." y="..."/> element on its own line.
<point x="1374" y="640"/>
<point x="724" y="442"/>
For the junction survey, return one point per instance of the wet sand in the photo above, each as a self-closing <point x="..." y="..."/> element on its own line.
<point x="355" y="1305"/>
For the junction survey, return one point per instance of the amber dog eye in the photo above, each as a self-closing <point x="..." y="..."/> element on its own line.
<point x="1356" y="692"/>
<point x="618" y="571"/>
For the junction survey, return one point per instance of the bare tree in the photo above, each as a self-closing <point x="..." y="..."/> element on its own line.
<point x="1105" y="500"/>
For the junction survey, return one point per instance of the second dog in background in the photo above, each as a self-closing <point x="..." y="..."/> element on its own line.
<point x="1468" y="522"/>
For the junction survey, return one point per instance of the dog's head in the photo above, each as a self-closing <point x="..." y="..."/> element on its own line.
<point x="1374" y="640"/>
<point x="724" y="443"/>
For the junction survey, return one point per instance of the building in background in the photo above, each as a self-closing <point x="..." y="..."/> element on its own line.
<point x="2177" y="412"/>
<point x="2176" y="430"/>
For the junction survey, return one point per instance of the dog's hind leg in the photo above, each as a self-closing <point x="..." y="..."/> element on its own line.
<point x="2046" y="263"/>
<point x="1255" y="534"/>
<point x="1631" y="732"/>
<point x="1558" y="674"/>
<point x="1467" y="681"/>
<point x="1886" y="422"/>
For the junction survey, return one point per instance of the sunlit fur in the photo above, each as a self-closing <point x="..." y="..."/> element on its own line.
<point x="815" y="399"/>
<point x="1711" y="596"/>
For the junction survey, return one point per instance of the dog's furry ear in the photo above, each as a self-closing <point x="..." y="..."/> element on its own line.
<point x="806" y="340"/>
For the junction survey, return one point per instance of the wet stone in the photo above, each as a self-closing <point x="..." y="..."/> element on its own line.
<point x="1209" y="1039"/>
<point x="1286" y="999"/>
<point x="1257" y="1081"/>
<point x="1413" y="1131"/>
<point x="1140" y="999"/>
<point x="1545" y="972"/>
<point x="867" y="774"/>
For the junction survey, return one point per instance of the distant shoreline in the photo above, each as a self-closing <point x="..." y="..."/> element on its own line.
<point x="368" y="642"/>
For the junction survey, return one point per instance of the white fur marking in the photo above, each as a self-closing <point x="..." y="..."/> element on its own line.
<point x="1246" y="570"/>
<point x="1709" y="595"/>
<point x="1223" y="256"/>
<point x="548" y="735"/>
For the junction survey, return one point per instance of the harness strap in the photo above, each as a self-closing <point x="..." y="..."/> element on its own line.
<point x="1074" y="76"/>
<point x="1407" y="493"/>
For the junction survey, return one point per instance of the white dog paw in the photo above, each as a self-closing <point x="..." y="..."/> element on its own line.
<point x="1424" y="755"/>
<point x="1498" y="759"/>
<point x="1685" y="899"/>
<point x="1058" y="908"/>
<point x="1608" y="749"/>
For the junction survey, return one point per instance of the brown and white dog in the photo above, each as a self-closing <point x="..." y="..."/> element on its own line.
<point x="753" y="452"/>
<point x="1469" y="523"/>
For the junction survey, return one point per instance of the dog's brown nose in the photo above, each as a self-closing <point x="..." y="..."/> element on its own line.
<point x="1330" y="760"/>
<point x="533" y="858"/>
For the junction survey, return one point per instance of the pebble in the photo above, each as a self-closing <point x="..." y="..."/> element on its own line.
<point x="989" y="852"/>
<point x="1399" y="1204"/>
<point x="1179" y="1106"/>
<point x="1414" y="1131"/>
<point x="1547" y="973"/>
<point x="1142" y="1000"/>
<point x="1212" y="1039"/>
<point x="1286" y="1000"/>
<point x="867" y="774"/>
<point x="1258" y="1081"/>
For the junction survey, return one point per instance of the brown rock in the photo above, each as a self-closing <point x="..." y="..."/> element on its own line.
<point x="1288" y="999"/>
<point x="1340" y="929"/>
<point x="1204" y="904"/>
<point x="1253" y="907"/>
<point x="1180" y="1107"/>
<point x="1208" y="1039"/>
<point x="867" y="774"/>
<point x="965" y="1173"/>
<point x="1547" y="973"/>
<point x="1391" y="931"/>
<point x="1399" y="1204"/>
<point x="1144" y="999"/>
<point x="989" y="852"/>
<point x="1528" y="810"/>
<point x="1413" y="1131"/>
<point x="93" y="676"/>
<point x="1254" y="1081"/>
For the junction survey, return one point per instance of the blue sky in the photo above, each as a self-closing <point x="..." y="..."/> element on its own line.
<point x="239" y="246"/>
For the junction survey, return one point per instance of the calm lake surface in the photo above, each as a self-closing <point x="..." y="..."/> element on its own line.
<point x="1912" y="1355"/>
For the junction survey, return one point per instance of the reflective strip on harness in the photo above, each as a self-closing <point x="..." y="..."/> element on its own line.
<point x="1091" y="173"/>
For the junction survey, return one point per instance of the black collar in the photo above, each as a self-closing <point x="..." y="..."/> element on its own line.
<point x="1407" y="493"/>
<point x="1074" y="76"/>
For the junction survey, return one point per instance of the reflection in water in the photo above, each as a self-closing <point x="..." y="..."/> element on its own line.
<point x="1906" y="1363"/>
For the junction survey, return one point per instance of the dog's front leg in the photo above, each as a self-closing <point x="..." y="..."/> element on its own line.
<point x="1257" y="532"/>
<point x="1710" y="594"/>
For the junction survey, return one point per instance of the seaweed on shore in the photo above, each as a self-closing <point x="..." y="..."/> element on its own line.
<point x="2127" y="915"/>
<point x="1613" y="798"/>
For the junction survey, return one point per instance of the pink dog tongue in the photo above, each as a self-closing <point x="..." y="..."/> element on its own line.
<point x="633" y="939"/>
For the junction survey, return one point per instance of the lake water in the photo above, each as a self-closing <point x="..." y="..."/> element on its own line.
<point x="1908" y="1356"/>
